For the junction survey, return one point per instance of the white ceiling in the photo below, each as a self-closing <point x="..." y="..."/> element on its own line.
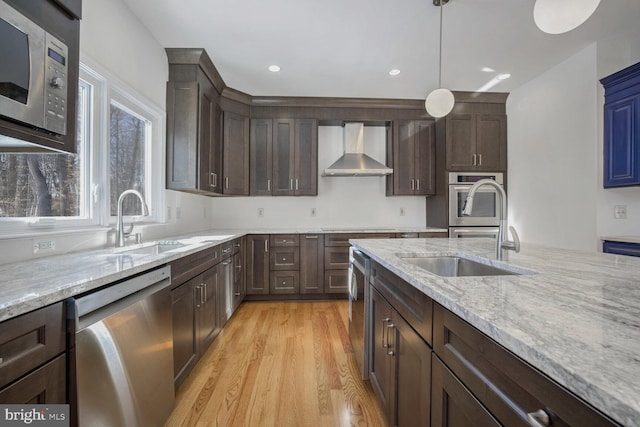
<point x="345" y="48"/>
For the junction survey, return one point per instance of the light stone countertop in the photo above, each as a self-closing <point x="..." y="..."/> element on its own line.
<point x="32" y="284"/>
<point x="577" y="319"/>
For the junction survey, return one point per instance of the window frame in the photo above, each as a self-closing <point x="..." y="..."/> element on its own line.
<point x="95" y="207"/>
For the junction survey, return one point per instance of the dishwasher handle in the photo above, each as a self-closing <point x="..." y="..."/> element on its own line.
<point x="96" y="306"/>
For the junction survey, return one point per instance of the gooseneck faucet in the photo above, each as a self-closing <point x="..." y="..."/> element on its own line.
<point x="501" y="241"/>
<point x="120" y="233"/>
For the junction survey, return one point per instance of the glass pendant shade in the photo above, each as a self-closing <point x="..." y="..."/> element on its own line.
<point x="439" y="102"/>
<point x="560" y="16"/>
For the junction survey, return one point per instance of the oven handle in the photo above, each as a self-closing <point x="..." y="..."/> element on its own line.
<point x="485" y="189"/>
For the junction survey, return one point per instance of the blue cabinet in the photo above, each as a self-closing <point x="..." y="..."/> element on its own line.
<point x="621" y="248"/>
<point x="622" y="128"/>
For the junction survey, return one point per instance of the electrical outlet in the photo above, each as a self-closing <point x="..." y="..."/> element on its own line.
<point x="313" y="211"/>
<point x="260" y="212"/>
<point x="402" y="212"/>
<point x="620" y="211"/>
<point x="40" y="246"/>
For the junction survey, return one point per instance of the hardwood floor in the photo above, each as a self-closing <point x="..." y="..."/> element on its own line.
<point x="279" y="364"/>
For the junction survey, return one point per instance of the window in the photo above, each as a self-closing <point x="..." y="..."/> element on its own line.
<point x="114" y="123"/>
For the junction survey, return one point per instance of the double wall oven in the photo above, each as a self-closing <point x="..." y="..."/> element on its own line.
<point x="485" y="218"/>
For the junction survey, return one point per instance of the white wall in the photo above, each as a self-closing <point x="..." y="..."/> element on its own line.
<point x="615" y="53"/>
<point x="341" y="201"/>
<point x="552" y="149"/>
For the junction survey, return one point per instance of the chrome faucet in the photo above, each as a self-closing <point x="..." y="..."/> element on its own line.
<point x="501" y="241"/>
<point x="120" y="233"/>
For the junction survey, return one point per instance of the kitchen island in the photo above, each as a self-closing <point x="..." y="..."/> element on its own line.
<point x="575" y="316"/>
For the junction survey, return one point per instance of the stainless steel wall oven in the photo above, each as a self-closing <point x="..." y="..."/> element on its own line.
<point x="485" y="218"/>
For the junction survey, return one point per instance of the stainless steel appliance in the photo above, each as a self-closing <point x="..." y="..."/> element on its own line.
<point x="124" y="352"/>
<point x="33" y="73"/>
<point x="486" y="206"/>
<point x="358" y="300"/>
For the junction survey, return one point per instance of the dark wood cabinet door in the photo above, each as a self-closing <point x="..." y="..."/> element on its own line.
<point x="452" y="405"/>
<point x="185" y="334"/>
<point x="311" y="264"/>
<point x="236" y="154"/>
<point x="261" y="157"/>
<point x="207" y="320"/>
<point x="206" y="133"/>
<point x="257" y="274"/>
<point x="283" y="157"/>
<point x="45" y="385"/>
<point x="413" y="375"/>
<point x="381" y="363"/>
<point x="285" y="258"/>
<point x="491" y="142"/>
<point x="216" y="154"/>
<point x="403" y="157"/>
<point x="306" y="157"/>
<point x="425" y="158"/>
<point x="285" y="282"/>
<point x="182" y="135"/>
<point x="460" y="142"/>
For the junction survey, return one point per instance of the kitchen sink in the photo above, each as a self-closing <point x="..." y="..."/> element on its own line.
<point x="455" y="266"/>
<point x="153" y="248"/>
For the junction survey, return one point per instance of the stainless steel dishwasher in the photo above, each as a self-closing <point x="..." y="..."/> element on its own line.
<point x="123" y="351"/>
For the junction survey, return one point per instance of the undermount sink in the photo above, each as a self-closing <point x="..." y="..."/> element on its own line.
<point x="455" y="266"/>
<point x="154" y="248"/>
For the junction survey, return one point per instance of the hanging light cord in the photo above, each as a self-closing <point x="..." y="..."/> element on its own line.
<point x="440" y="54"/>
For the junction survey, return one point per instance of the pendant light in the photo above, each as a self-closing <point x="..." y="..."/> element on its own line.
<point x="440" y="101"/>
<point x="560" y="16"/>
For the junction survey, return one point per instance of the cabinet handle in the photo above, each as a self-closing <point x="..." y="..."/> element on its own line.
<point x="389" y="346"/>
<point x="417" y="184"/>
<point x="291" y="184"/>
<point x="227" y="262"/>
<point x="474" y="160"/>
<point x="413" y="186"/>
<point x="538" y="418"/>
<point x="284" y="283"/>
<point x="296" y="183"/>
<point x="215" y="179"/>
<point x="284" y="259"/>
<point x="226" y="250"/>
<point x="195" y="296"/>
<point x="266" y="246"/>
<point x="237" y="294"/>
<point x="384" y="340"/>
<point x="311" y="237"/>
<point x="226" y="182"/>
<point x="268" y="185"/>
<point x="204" y="293"/>
<point x="480" y="159"/>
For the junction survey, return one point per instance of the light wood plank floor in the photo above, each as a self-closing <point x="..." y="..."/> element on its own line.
<point x="279" y="364"/>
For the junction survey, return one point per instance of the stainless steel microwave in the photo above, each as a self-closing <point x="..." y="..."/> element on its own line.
<point x="33" y="73"/>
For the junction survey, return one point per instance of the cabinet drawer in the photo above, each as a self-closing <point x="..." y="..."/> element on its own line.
<point x="336" y="281"/>
<point x="28" y="341"/>
<point x="45" y="385"/>
<point x="413" y="305"/>
<point x="285" y="258"/>
<point x="342" y="239"/>
<point x="237" y="245"/>
<point x="621" y="248"/>
<point x="410" y="235"/>
<point x="437" y="234"/>
<point x="226" y="249"/>
<point x="190" y="266"/>
<point x="285" y="282"/>
<point x="284" y="240"/>
<point x="505" y="384"/>
<point x="336" y="257"/>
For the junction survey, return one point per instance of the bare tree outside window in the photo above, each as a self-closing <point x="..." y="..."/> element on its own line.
<point x="127" y="158"/>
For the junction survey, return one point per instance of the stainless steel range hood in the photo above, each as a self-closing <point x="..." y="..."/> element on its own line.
<point x="354" y="162"/>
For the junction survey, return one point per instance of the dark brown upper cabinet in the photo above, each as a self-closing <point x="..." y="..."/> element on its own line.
<point x="236" y="154"/>
<point x="476" y="142"/>
<point x="411" y="154"/>
<point x="194" y="130"/>
<point x="284" y="157"/>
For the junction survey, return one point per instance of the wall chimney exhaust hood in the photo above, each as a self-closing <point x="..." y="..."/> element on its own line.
<point x="354" y="162"/>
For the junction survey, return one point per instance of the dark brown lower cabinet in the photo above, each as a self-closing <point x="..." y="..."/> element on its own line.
<point x="452" y="404"/>
<point x="257" y="271"/>
<point x="312" y="264"/>
<point x="285" y="282"/>
<point x="45" y="385"/>
<point x="400" y="366"/>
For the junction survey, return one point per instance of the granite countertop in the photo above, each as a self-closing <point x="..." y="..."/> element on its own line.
<point x="29" y="285"/>
<point x="577" y="319"/>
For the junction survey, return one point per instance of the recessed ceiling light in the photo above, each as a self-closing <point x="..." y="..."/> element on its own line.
<point x="487" y="69"/>
<point x="394" y="72"/>
<point x="274" y="68"/>
<point x="503" y="76"/>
